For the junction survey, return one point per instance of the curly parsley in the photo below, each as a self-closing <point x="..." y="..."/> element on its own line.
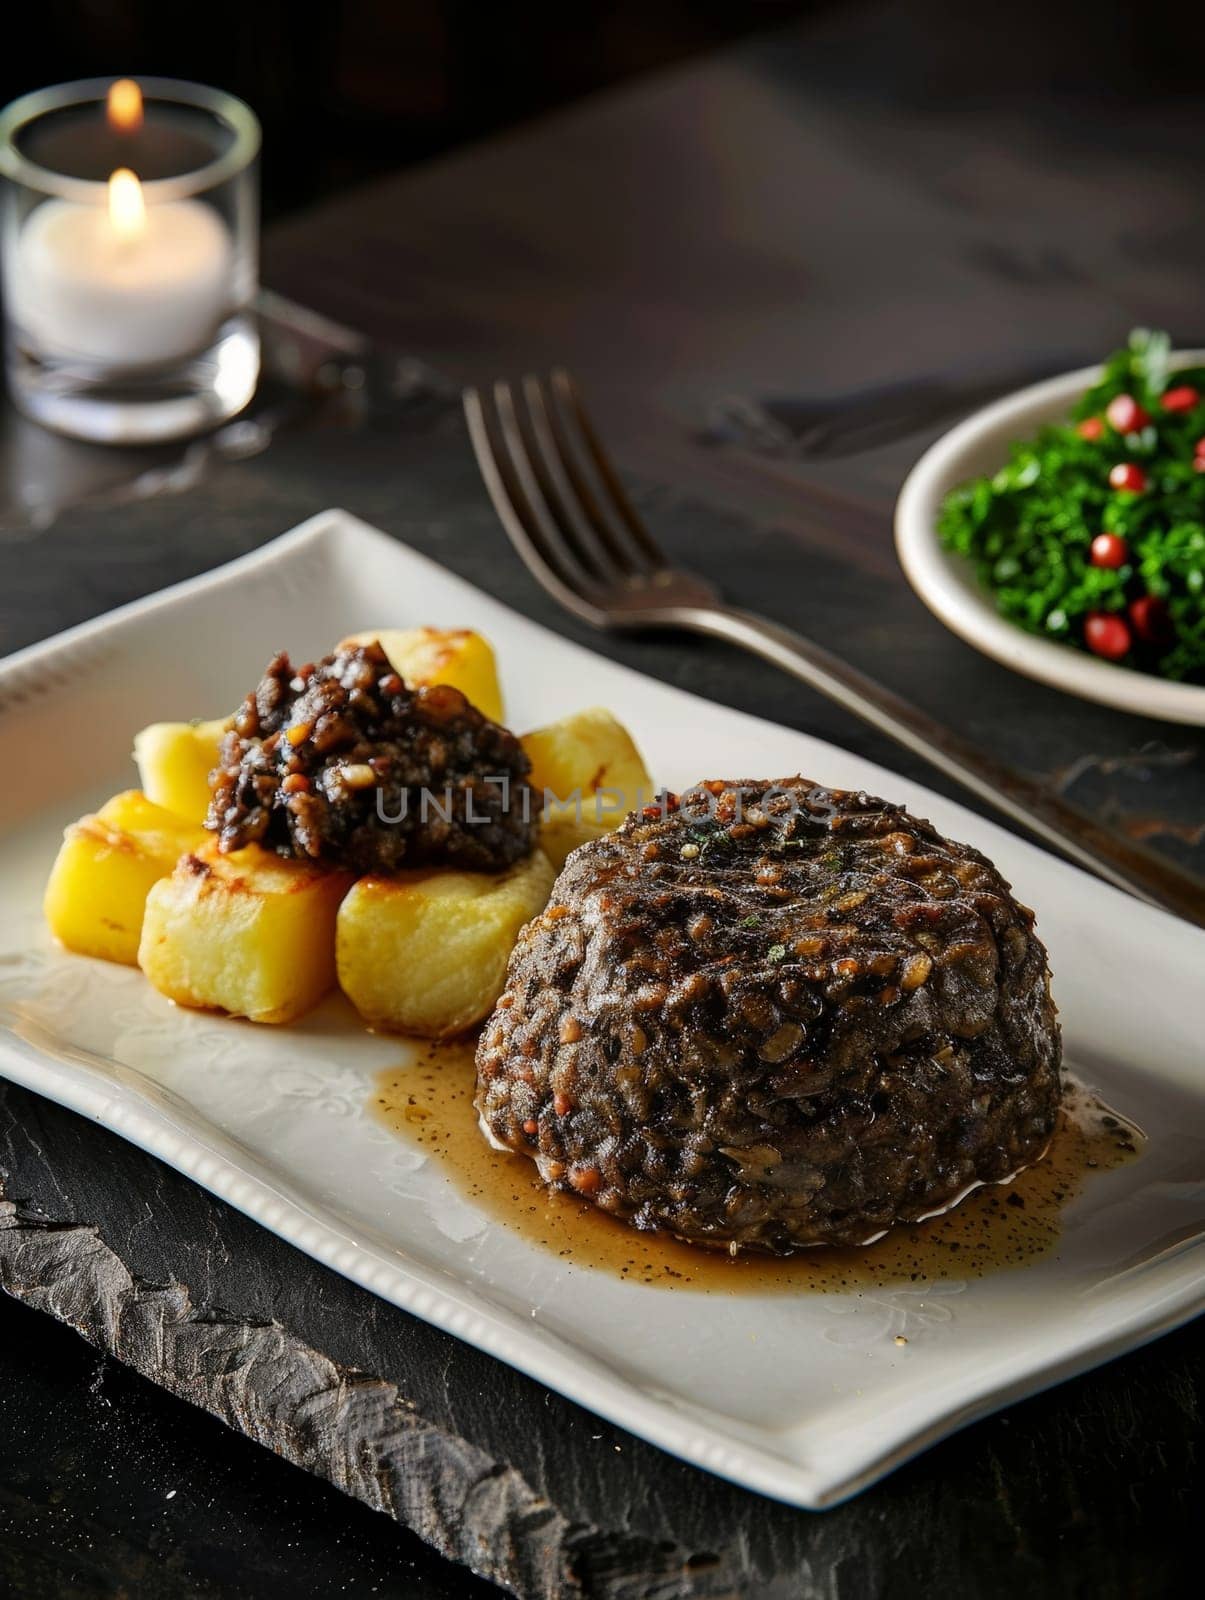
<point x="1029" y="530"/>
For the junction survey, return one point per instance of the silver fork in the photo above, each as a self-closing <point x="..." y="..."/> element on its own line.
<point x="571" y="521"/>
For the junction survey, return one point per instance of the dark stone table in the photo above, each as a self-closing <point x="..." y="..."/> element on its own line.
<point x="802" y="219"/>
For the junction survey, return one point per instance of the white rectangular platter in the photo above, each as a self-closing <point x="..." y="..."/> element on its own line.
<point x="804" y="1397"/>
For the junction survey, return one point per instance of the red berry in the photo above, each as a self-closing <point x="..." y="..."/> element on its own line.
<point x="1125" y="475"/>
<point x="1090" y="428"/>
<point x="1125" y="414"/>
<point x="1182" y="399"/>
<point x="1109" y="550"/>
<point x="1198" y="449"/>
<point x="1106" y="634"/>
<point x="1150" y="619"/>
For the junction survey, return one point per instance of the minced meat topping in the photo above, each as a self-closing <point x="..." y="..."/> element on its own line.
<point x="344" y="763"/>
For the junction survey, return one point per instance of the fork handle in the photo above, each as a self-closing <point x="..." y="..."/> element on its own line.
<point x="1077" y="835"/>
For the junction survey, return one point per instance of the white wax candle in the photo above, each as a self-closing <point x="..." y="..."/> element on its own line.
<point x="150" y="292"/>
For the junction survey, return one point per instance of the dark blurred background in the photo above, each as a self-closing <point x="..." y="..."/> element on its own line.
<point x="348" y="89"/>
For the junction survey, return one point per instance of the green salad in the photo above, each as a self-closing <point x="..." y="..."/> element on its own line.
<point x="1094" y="533"/>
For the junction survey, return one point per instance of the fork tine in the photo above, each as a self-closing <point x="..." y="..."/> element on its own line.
<point x="542" y="524"/>
<point x="589" y="452"/>
<point x="522" y="525"/>
<point x="577" y="500"/>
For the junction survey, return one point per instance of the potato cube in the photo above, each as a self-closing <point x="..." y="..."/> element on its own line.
<point x="105" y="869"/>
<point x="174" y="762"/>
<point x="248" y="933"/>
<point x="590" y="774"/>
<point x="425" y="951"/>
<point x="442" y="655"/>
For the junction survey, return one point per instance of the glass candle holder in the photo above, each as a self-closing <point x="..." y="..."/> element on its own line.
<point x="129" y="242"/>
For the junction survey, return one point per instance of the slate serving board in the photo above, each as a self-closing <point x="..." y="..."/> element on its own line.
<point x="495" y="1472"/>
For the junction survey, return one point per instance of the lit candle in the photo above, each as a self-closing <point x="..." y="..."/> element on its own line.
<point x="128" y="236"/>
<point x="125" y="282"/>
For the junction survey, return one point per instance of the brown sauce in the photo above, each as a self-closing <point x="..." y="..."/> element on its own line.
<point x="997" y="1226"/>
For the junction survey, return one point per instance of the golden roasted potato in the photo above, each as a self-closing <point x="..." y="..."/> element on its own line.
<point x="455" y="656"/>
<point x="105" y="869"/>
<point x="425" y="951"/>
<point x="174" y="762"/>
<point x="247" y="933"/>
<point x="590" y="774"/>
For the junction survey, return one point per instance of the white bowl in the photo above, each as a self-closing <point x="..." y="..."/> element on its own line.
<point x="946" y="582"/>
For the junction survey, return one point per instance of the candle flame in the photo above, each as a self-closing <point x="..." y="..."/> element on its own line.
<point x="124" y="106"/>
<point x="127" y="208"/>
